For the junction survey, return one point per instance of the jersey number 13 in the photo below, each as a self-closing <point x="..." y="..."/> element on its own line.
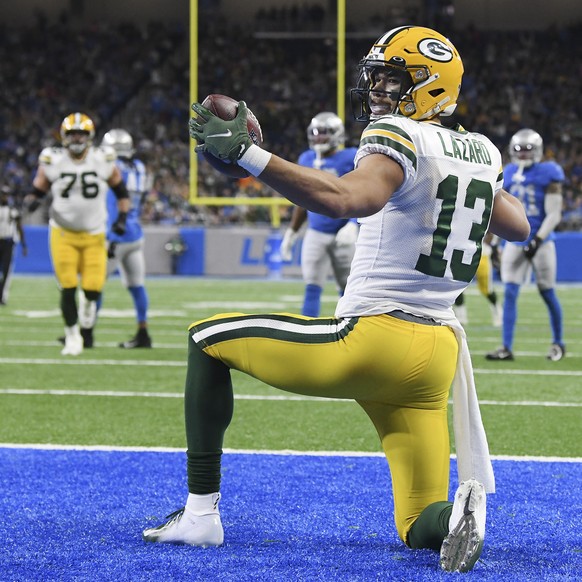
<point x="435" y="264"/>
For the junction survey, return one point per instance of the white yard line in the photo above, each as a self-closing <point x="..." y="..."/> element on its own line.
<point x="80" y="362"/>
<point x="262" y="397"/>
<point x="287" y="452"/>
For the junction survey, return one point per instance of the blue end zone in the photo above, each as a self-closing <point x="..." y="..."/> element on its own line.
<point x="78" y="515"/>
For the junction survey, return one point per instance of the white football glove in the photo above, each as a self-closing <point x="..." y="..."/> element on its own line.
<point x="347" y="234"/>
<point x="289" y="239"/>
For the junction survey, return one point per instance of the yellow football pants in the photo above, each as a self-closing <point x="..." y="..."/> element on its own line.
<point x="484" y="275"/>
<point x="399" y="372"/>
<point x="78" y="253"/>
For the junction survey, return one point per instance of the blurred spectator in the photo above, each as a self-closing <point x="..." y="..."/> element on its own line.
<point x="105" y="70"/>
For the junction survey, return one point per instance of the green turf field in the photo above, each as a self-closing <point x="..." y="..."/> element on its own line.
<point x="110" y="396"/>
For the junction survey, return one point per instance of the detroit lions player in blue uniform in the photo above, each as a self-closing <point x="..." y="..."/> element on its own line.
<point x="328" y="241"/>
<point x="538" y="185"/>
<point x="126" y="251"/>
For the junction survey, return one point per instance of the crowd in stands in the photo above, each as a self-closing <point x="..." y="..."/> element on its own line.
<point x="125" y="76"/>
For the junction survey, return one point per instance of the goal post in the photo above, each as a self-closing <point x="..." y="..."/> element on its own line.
<point x="274" y="203"/>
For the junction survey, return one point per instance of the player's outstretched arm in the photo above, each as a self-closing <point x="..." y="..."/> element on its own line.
<point x="359" y="193"/>
<point x="362" y="192"/>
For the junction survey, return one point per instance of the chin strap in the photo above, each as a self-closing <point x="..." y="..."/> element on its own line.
<point x="438" y="108"/>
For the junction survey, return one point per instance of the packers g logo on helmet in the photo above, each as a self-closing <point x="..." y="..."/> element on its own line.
<point x="433" y="48"/>
<point x="81" y="123"/>
<point x="432" y="69"/>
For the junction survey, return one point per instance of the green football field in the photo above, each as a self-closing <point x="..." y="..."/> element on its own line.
<point x="114" y="397"/>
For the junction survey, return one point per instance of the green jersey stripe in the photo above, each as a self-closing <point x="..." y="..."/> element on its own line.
<point x="275" y="317"/>
<point x="392" y="144"/>
<point x="388" y="127"/>
<point x="292" y="329"/>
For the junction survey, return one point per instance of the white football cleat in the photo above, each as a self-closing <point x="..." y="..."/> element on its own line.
<point x="73" y="345"/>
<point x="183" y="527"/>
<point x="462" y="547"/>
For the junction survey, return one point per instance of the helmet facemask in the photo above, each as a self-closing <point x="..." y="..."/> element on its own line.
<point x="369" y="101"/>
<point x="77" y="146"/>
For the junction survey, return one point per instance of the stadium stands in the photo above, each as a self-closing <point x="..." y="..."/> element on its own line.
<point x="103" y="69"/>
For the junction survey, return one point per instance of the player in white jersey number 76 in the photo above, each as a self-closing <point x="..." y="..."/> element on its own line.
<point x="78" y="176"/>
<point x="424" y="195"/>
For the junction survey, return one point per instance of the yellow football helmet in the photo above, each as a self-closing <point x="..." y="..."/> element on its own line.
<point x="431" y="70"/>
<point x="79" y="123"/>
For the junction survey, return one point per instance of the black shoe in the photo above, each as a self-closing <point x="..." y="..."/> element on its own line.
<point x="61" y="340"/>
<point x="87" y="335"/>
<point x="140" y="340"/>
<point x="500" y="354"/>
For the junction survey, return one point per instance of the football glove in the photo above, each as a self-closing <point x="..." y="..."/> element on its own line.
<point x="32" y="201"/>
<point x="225" y="140"/>
<point x="33" y="205"/>
<point x="532" y="247"/>
<point x="287" y="243"/>
<point x="111" y="250"/>
<point x="120" y="224"/>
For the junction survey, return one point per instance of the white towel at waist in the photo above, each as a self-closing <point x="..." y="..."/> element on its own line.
<point x="473" y="460"/>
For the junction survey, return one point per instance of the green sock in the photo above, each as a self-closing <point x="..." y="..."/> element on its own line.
<point x="69" y="305"/>
<point x="208" y="404"/>
<point x="431" y="526"/>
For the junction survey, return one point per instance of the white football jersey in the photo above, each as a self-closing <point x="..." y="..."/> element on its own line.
<point x="79" y="187"/>
<point x="422" y="249"/>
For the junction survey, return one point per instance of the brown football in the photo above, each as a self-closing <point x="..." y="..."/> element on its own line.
<point x="226" y="108"/>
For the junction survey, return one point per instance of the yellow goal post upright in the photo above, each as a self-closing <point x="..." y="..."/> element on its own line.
<point x="272" y="202"/>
